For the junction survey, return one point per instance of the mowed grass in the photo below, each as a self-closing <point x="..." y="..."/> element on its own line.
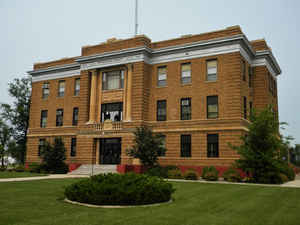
<point x="41" y="202"/>
<point x="6" y="174"/>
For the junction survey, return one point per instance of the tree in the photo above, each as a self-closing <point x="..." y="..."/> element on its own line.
<point x="54" y="157"/>
<point x="18" y="114"/>
<point x="5" y="139"/>
<point x="295" y="155"/>
<point x="263" y="150"/>
<point x="147" y="146"/>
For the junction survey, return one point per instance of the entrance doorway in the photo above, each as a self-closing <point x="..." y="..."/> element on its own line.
<point x="110" y="151"/>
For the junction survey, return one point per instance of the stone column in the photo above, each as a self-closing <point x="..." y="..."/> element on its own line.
<point x="99" y="100"/>
<point x="93" y="95"/>
<point x="125" y="96"/>
<point x="129" y="92"/>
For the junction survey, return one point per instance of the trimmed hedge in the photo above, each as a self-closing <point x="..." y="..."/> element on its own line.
<point x="190" y="174"/>
<point x="210" y="173"/>
<point x="174" y="174"/>
<point x="120" y="189"/>
<point x="232" y="175"/>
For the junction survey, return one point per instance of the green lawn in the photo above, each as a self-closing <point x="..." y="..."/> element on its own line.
<point x="6" y="174"/>
<point x="40" y="202"/>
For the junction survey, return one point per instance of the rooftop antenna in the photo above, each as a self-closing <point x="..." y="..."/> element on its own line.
<point x="136" y="18"/>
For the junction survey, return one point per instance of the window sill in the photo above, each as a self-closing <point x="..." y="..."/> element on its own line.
<point x="187" y="84"/>
<point x="112" y="90"/>
<point x="76" y="96"/>
<point x="161" y="86"/>
<point x="210" y="81"/>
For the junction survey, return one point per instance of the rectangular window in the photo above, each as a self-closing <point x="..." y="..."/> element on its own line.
<point x="186" y="73"/>
<point x="75" y="116"/>
<point x="250" y="107"/>
<point x="61" y="88"/>
<point x="73" y="147"/>
<point x="185" y="145"/>
<point x="211" y="70"/>
<point x="212" y="145"/>
<point x="59" y="117"/>
<point x="275" y="88"/>
<point x="113" y="80"/>
<point x="46" y="90"/>
<point x="212" y="107"/>
<point x="244" y="70"/>
<point x="42" y="143"/>
<point x="44" y="116"/>
<point x="162" y="76"/>
<point x="112" y="111"/>
<point x="250" y="73"/>
<point x="161" y="113"/>
<point x="163" y="145"/>
<point x="245" y="107"/>
<point x="77" y="87"/>
<point x="186" y="109"/>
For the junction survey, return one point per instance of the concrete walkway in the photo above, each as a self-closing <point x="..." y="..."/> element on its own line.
<point x="292" y="184"/>
<point x="52" y="176"/>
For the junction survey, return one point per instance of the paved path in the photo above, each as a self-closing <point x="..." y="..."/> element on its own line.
<point x="292" y="184"/>
<point x="52" y="176"/>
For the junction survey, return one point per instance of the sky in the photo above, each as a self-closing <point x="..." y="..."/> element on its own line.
<point x="34" y="31"/>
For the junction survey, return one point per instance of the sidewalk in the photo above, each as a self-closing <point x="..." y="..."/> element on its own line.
<point x="292" y="184"/>
<point x="52" y="176"/>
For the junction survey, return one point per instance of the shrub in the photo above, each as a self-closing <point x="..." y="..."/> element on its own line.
<point x="232" y="175"/>
<point x="283" y="178"/>
<point x="288" y="171"/>
<point x="174" y="174"/>
<point x="190" y="174"/>
<point x="270" y="177"/>
<point x="20" y="168"/>
<point x="120" y="189"/>
<point x="210" y="173"/>
<point x="158" y="171"/>
<point x="34" y="167"/>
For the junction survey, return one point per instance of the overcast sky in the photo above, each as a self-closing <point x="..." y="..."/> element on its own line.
<point x="36" y="31"/>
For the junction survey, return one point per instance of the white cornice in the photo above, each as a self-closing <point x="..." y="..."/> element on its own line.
<point x="237" y="43"/>
<point x="56" y="75"/>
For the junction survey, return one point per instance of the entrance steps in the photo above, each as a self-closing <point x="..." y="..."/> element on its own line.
<point x="89" y="169"/>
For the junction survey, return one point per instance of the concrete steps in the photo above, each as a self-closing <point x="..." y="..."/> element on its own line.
<point x="86" y="169"/>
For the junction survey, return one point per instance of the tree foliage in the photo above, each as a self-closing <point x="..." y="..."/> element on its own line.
<point x="263" y="151"/>
<point x="17" y="114"/>
<point x="147" y="146"/>
<point x="5" y="140"/>
<point x="54" y="157"/>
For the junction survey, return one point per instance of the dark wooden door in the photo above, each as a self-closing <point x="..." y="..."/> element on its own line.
<point x="110" y="151"/>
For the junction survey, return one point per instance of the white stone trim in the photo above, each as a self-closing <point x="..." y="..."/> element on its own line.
<point x="55" y="75"/>
<point x="114" y="62"/>
<point x="264" y="62"/>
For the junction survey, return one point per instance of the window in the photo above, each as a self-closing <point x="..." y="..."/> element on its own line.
<point x="161" y="113"/>
<point x="250" y="107"/>
<point x="113" y="80"/>
<point x="73" y="147"/>
<point x="250" y="73"/>
<point x="59" y="117"/>
<point x="112" y="111"/>
<point x="185" y="145"/>
<point x="275" y="88"/>
<point x="212" y="107"/>
<point x="42" y="143"/>
<point x="186" y="73"/>
<point x="46" y="91"/>
<point x="186" y="109"/>
<point x="212" y="145"/>
<point x="163" y="145"/>
<point x="44" y="115"/>
<point x="162" y="76"/>
<point x="244" y="70"/>
<point x="61" y="88"/>
<point x="245" y="107"/>
<point x="211" y="70"/>
<point x="75" y="116"/>
<point x="77" y="87"/>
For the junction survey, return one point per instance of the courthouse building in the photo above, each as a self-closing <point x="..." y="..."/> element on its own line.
<point x="197" y="90"/>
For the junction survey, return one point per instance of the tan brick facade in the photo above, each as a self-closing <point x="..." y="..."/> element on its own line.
<point x="140" y="59"/>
